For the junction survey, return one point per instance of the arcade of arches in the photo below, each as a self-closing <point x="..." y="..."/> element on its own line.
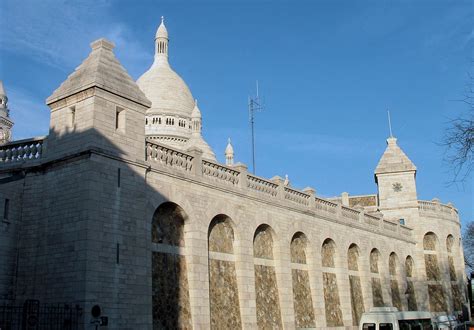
<point x="170" y="291"/>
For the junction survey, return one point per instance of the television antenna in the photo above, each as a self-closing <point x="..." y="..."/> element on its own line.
<point x="255" y="105"/>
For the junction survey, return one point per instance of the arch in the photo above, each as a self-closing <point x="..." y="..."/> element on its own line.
<point x="168" y="224"/>
<point x="393" y="264"/>
<point x="353" y="257"/>
<point x="298" y="246"/>
<point x="221" y="234"/>
<point x="374" y="261"/>
<point x="357" y="299"/>
<point x="266" y="287"/>
<point x="263" y="242"/>
<point x="409" y="266"/>
<point x="223" y="290"/>
<point x="328" y="253"/>
<point x="169" y="276"/>
<point x="430" y="241"/>
<point x="450" y="243"/>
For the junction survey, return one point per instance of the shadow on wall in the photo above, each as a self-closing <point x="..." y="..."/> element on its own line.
<point x="82" y="231"/>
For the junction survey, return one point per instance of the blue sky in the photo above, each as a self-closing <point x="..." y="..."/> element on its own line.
<point x="328" y="71"/>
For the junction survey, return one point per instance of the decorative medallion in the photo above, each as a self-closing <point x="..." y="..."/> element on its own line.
<point x="397" y="186"/>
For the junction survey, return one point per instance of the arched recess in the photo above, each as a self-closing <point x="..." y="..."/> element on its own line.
<point x="410" y="292"/>
<point x="394" y="289"/>
<point x="437" y="299"/>
<point x="377" y="296"/>
<point x="170" y="290"/>
<point x="455" y="291"/>
<point x="302" y="301"/>
<point x="223" y="291"/>
<point x="357" y="299"/>
<point x="331" y="292"/>
<point x="266" y="288"/>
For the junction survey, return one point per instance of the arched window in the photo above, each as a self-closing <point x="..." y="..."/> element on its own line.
<point x="377" y="296"/>
<point x="331" y="292"/>
<point x="357" y="299"/>
<point x="170" y="294"/>
<point x="410" y="292"/>
<point x="437" y="300"/>
<point x="302" y="301"/>
<point x="394" y="288"/>
<point x="266" y="288"/>
<point x="223" y="291"/>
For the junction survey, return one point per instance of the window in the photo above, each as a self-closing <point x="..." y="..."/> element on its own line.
<point x="120" y="119"/>
<point x="71" y="117"/>
<point x="368" y="326"/>
<point x="401" y="221"/>
<point x="6" y="209"/>
<point x="385" y="326"/>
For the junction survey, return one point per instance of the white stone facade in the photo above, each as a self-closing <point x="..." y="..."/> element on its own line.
<point x="90" y="210"/>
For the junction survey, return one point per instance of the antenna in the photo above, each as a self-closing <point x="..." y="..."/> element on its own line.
<point x="254" y="106"/>
<point x="389" y="124"/>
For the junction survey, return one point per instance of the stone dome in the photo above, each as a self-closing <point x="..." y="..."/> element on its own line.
<point x="167" y="92"/>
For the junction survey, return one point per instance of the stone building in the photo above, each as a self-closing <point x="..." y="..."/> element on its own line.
<point x="124" y="205"/>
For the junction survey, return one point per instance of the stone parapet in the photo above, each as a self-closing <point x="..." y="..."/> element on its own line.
<point x="435" y="209"/>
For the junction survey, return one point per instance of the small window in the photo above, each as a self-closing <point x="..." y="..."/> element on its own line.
<point x="6" y="209"/>
<point x="71" y="117"/>
<point x="120" y="119"/>
<point x="385" y="326"/>
<point x="368" y="326"/>
<point x="401" y="221"/>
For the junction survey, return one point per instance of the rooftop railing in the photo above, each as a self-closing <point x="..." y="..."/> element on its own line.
<point x="237" y="177"/>
<point x="22" y="150"/>
<point x="434" y="208"/>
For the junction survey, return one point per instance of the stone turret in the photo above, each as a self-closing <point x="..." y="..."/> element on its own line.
<point x="98" y="103"/>
<point x="229" y="154"/>
<point x="395" y="177"/>
<point x="6" y="123"/>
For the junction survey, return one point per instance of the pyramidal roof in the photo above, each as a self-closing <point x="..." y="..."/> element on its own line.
<point x="394" y="159"/>
<point x="101" y="69"/>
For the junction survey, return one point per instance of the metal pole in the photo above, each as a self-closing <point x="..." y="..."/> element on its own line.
<point x="253" y="134"/>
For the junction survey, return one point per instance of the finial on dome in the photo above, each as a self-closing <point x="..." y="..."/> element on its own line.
<point x="196" y="112"/>
<point x="161" y="41"/>
<point x="229" y="153"/>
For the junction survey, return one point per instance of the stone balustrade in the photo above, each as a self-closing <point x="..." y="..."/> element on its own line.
<point x="297" y="196"/>
<point x="435" y="209"/>
<point x="237" y="177"/>
<point x="22" y="150"/>
<point x="220" y="173"/>
<point x="156" y="153"/>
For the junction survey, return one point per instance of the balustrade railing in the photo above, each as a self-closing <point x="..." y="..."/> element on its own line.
<point x="324" y="205"/>
<point x="168" y="157"/>
<point x="262" y="185"/>
<point x="220" y="173"/>
<point x="436" y="208"/>
<point x="350" y="213"/>
<point x="371" y="220"/>
<point x="392" y="226"/>
<point x="22" y="150"/>
<point x="297" y="196"/>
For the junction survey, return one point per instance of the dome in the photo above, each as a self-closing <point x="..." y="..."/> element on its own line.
<point x="167" y="92"/>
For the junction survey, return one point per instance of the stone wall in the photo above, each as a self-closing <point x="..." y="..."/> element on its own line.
<point x="437" y="298"/>
<point x="357" y="299"/>
<point x="432" y="268"/>
<point x="170" y="292"/>
<point x="411" y="296"/>
<point x="303" y="303"/>
<point x="223" y="290"/>
<point x="396" y="300"/>
<point x="267" y="298"/>
<point x="331" y="301"/>
<point x="224" y="297"/>
<point x="377" y="295"/>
